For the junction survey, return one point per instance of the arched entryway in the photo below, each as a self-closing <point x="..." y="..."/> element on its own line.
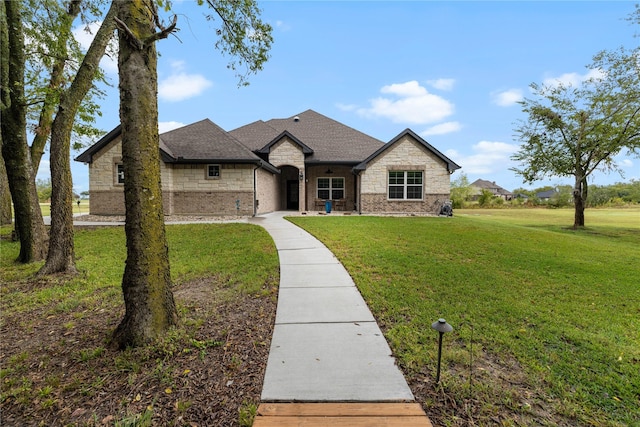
<point x="292" y="186"/>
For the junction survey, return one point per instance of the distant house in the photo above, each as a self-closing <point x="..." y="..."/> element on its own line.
<point x="297" y="163"/>
<point x="481" y="184"/>
<point x="545" y="196"/>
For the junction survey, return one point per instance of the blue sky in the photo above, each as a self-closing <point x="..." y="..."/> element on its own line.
<point x="451" y="71"/>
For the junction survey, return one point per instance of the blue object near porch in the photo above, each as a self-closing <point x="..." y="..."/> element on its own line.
<point x="327" y="206"/>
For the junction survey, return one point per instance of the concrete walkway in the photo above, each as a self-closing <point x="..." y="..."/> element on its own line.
<point x="326" y="345"/>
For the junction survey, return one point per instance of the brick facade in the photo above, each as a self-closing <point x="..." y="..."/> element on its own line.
<point x="406" y="154"/>
<point x="246" y="189"/>
<point x="186" y="190"/>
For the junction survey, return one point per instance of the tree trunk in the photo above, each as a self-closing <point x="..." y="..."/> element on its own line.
<point x="15" y="150"/>
<point x="579" y="201"/>
<point x="146" y="283"/>
<point x="61" y="256"/>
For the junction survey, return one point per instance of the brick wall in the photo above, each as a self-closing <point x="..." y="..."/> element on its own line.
<point x="378" y="204"/>
<point x="212" y="203"/>
<point x="186" y="189"/>
<point x="267" y="191"/>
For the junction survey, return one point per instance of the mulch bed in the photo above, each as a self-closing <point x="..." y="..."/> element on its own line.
<point x="60" y="369"/>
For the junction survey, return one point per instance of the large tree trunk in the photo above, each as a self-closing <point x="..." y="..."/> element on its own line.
<point x="579" y="201"/>
<point x="61" y="256"/>
<point x="146" y="283"/>
<point x="15" y="150"/>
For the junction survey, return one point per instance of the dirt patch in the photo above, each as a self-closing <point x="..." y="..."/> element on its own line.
<point x="499" y="393"/>
<point x="58" y="369"/>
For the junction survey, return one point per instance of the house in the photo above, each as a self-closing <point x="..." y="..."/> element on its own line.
<point x="481" y="184"/>
<point x="296" y="163"/>
<point x="545" y="196"/>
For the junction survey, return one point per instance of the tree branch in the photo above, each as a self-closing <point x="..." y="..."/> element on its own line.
<point x="133" y="40"/>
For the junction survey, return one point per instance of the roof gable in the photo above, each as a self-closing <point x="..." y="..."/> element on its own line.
<point x="267" y="148"/>
<point x="451" y="165"/>
<point x="199" y="142"/>
<point x="87" y="155"/>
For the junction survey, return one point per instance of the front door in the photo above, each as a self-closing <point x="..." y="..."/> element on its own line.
<point x="293" y="194"/>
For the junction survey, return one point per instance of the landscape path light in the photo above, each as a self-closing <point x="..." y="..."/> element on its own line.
<point x="442" y="327"/>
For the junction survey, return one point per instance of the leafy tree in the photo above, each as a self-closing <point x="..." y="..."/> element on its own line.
<point x="575" y="131"/>
<point x="485" y="198"/>
<point x="460" y="191"/>
<point x="146" y="282"/>
<point x="43" y="187"/>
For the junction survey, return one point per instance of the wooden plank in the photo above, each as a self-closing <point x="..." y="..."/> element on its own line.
<point x="342" y="421"/>
<point x="340" y="409"/>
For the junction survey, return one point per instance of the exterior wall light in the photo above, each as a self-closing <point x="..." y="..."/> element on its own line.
<point x="442" y="327"/>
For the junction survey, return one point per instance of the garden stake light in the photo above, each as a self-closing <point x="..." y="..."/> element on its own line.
<point x="442" y="327"/>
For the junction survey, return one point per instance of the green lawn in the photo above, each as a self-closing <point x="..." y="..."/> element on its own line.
<point x="83" y="208"/>
<point x="561" y="307"/>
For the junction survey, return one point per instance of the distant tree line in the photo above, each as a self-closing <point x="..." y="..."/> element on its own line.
<point x="618" y="194"/>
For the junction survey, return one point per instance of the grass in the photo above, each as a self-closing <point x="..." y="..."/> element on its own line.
<point x="101" y="254"/>
<point x="83" y="208"/>
<point x="562" y="306"/>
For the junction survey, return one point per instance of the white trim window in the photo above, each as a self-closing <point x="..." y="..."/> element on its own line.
<point x="405" y="185"/>
<point x="119" y="173"/>
<point x="330" y="188"/>
<point x="213" y="172"/>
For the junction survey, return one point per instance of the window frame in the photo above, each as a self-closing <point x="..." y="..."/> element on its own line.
<point x="207" y="169"/>
<point x="331" y="189"/>
<point x="403" y="182"/>
<point x="119" y="178"/>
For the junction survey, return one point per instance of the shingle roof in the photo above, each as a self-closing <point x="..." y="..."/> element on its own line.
<point x="331" y="141"/>
<point x="204" y="141"/>
<point x="199" y="142"/>
<point x="489" y="185"/>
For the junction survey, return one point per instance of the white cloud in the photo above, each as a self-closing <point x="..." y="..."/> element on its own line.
<point x="282" y="26"/>
<point x="408" y="103"/>
<point x="346" y="107"/>
<point x="573" y="79"/>
<point x="626" y="163"/>
<point x="489" y="156"/>
<point x="167" y="126"/>
<point x="180" y="85"/>
<point x="507" y="98"/>
<point x="85" y="34"/>
<point x="442" y="128"/>
<point x="442" y="84"/>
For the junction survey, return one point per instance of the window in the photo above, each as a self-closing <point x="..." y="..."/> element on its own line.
<point x="330" y="188"/>
<point x="119" y="173"/>
<point x="213" y="171"/>
<point x="405" y="185"/>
